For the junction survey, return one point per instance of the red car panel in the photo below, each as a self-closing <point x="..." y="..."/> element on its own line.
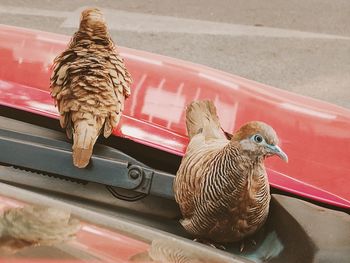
<point x="314" y="134"/>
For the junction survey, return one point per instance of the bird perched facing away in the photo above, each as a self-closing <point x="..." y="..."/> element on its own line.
<point x="89" y="83"/>
<point x="221" y="185"/>
<point x="35" y="225"/>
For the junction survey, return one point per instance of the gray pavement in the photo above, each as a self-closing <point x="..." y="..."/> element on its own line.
<point x="300" y="46"/>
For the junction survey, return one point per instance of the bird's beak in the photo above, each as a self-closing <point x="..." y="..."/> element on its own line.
<point x="274" y="149"/>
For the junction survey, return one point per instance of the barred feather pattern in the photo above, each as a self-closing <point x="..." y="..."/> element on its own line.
<point x="89" y="84"/>
<point x="170" y="250"/>
<point x="167" y="251"/>
<point x="223" y="194"/>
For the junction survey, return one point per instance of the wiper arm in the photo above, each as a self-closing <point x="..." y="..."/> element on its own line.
<point x="50" y="153"/>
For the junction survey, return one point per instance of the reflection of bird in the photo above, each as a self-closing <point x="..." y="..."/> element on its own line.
<point x="89" y="83"/>
<point x="173" y="251"/>
<point x="221" y="185"/>
<point x="35" y="225"/>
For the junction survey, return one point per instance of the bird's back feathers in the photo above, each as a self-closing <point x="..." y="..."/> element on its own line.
<point x="89" y="83"/>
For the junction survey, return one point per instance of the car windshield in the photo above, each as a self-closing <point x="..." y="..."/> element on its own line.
<point x="94" y="237"/>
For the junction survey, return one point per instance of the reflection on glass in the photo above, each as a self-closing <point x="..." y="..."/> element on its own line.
<point x="171" y="250"/>
<point x="30" y="226"/>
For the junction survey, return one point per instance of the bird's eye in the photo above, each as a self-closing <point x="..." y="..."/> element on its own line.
<point x="258" y="138"/>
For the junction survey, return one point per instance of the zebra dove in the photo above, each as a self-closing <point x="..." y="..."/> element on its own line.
<point x="221" y="185"/>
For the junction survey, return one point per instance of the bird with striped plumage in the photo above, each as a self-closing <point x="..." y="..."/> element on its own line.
<point x="221" y="185"/>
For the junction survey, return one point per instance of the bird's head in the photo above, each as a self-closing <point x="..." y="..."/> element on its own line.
<point x="259" y="140"/>
<point x="92" y="17"/>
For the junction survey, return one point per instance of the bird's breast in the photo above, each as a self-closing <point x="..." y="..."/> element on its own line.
<point x="244" y="210"/>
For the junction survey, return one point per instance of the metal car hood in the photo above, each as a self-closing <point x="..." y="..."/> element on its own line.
<point x="314" y="134"/>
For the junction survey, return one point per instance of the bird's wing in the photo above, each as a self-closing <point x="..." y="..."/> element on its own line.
<point x="121" y="80"/>
<point x="60" y="91"/>
<point x="192" y="171"/>
<point x="206" y="139"/>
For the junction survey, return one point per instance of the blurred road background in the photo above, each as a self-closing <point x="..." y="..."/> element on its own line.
<point x="301" y="46"/>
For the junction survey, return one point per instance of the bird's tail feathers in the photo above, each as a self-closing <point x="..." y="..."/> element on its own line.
<point x="201" y="117"/>
<point x="86" y="132"/>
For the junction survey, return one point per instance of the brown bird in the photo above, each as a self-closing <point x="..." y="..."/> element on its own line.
<point x="89" y="83"/>
<point x="221" y="185"/>
<point x="33" y="226"/>
<point x="171" y="250"/>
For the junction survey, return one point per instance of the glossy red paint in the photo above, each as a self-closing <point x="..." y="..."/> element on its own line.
<point x="101" y="244"/>
<point x="21" y="260"/>
<point x="47" y="260"/>
<point x="314" y="134"/>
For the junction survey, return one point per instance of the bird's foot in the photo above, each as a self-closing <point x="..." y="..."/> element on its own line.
<point x="241" y="247"/>
<point x="209" y="243"/>
<point x="243" y="242"/>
